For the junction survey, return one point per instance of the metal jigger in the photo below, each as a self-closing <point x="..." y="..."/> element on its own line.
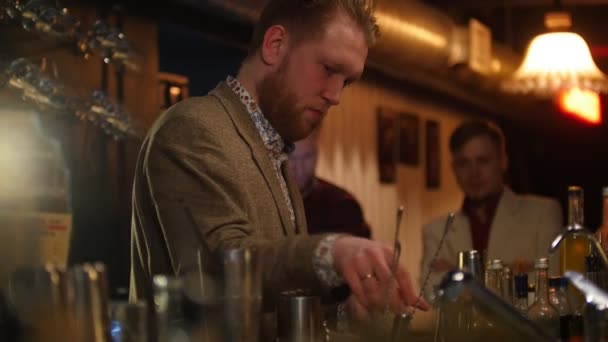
<point x="299" y="318"/>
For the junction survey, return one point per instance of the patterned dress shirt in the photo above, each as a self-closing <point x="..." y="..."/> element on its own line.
<point x="323" y="261"/>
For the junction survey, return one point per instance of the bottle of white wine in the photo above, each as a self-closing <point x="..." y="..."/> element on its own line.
<point x="542" y="312"/>
<point x="602" y="231"/>
<point x="576" y="246"/>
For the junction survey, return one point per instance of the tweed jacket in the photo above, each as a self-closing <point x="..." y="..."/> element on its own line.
<point x="523" y="227"/>
<point x="206" y="155"/>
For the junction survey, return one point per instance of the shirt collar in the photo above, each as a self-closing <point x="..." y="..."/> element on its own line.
<point x="271" y="138"/>
<point x="468" y="206"/>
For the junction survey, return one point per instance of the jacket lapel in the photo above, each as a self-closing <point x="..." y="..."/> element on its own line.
<point x="296" y="200"/>
<point x="248" y="132"/>
<point x="502" y="229"/>
<point x="459" y="236"/>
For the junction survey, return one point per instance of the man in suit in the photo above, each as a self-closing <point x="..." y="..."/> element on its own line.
<point x="328" y="207"/>
<point x="493" y="220"/>
<point x="222" y="158"/>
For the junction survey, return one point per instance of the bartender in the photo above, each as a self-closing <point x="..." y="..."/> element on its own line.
<point x="223" y="157"/>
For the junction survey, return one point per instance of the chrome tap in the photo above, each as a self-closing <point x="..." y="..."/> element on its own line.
<point x="456" y="282"/>
<point x="580" y="230"/>
<point x="595" y="315"/>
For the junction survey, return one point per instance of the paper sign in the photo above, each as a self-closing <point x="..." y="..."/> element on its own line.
<point x="36" y="237"/>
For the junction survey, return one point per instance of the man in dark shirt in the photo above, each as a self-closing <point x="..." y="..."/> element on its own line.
<point x="328" y="207"/>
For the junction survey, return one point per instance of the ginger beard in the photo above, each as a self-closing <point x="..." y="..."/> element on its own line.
<point x="279" y="104"/>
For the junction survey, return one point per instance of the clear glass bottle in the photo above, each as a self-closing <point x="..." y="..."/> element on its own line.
<point x="592" y="270"/>
<point x="576" y="246"/>
<point x="542" y="312"/>
<point x="508" y="285"/>
<point x="577" y="326"/>
<point x="521" y="294"/>
<point x="493" y="277"/>
<point x="601" y="234"/>
<point x="602" y="231"/>
<point x="559" y="300"/>
<point x="482" y="326"/>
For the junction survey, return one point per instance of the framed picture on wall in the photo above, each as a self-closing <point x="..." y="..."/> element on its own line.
<point x="408" y="139"/>
<point x="433" y="166"/>
<point x="387" y="145"/>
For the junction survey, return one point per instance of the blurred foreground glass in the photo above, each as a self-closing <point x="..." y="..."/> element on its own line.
<point x="129" y="322"/>
<point x="34" y="300"/>
<point x="471" y="261"/>
<point x="224" y="305"/>
<point x="463" y="294"/>
<point x="542" y="312"/>
<point x="53" y="304"/>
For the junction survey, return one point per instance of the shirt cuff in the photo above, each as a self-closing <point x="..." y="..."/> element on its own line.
<point x="323" y="262"/>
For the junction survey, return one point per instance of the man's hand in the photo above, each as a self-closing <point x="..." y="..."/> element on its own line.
<point x="365" y="265"/>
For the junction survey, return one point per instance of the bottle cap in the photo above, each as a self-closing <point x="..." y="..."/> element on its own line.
<point x="574" y="188"/>
<point x="495" y="264"/>
<point x="605" y="191"/>
<point x="541" y="263"/>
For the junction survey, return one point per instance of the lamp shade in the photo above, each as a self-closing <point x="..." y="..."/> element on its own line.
<point x="556" y="61"/>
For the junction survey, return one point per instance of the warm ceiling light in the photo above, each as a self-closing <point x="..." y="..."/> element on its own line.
<point x="556" y="61"/>
<point x="582" y="104"/>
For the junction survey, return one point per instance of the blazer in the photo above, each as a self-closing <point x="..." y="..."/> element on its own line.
<point x="205" y="154"/>
<point x="523" y="227"/>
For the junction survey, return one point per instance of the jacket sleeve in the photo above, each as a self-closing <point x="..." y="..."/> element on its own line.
<point x="188" y="166"/>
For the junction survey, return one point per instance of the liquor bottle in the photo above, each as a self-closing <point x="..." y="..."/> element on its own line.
<point x="602" y="231"/>
<point x="508" y="285"/>
<point x="485" y="327"/>
<point x="521" y="294"/>
<point x="601" y="234"/>
<point x="559" y="300"/>
<point x="593" y="269"/>
<point x="493" y="277"/>
<point x="575" y="246"/>
<point x="577" y="325"/>
<point x="542" y="312"/>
